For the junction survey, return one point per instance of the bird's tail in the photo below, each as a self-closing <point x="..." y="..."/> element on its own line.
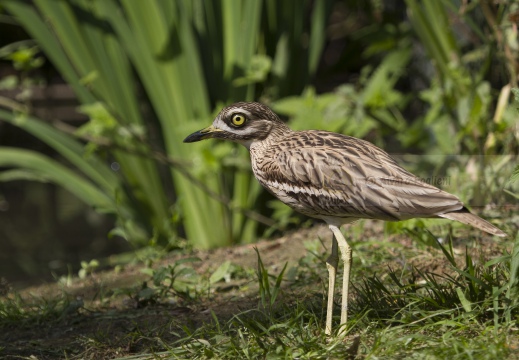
<point x="466" y="217"/>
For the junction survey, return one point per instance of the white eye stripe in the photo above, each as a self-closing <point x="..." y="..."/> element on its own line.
<point x="244" y="112"/>
<point x="246" y="131"/>
<point x="220" y="124"/>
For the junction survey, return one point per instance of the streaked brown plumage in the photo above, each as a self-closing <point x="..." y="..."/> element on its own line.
<point x="333" y="177"/>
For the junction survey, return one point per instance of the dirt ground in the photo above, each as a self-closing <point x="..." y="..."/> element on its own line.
<point x="124" y="326"/>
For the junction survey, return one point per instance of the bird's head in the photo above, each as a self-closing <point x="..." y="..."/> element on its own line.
<point x="242" y="122"/>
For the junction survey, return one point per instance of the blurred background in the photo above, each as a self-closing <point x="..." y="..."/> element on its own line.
<point x="96" y="97"/>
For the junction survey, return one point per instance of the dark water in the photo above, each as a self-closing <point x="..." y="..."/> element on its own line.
<point x="45" y="232"/>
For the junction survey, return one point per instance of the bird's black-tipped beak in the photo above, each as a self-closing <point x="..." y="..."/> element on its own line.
<point x="206" y="133"/>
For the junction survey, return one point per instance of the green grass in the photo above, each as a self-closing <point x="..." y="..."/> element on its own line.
<point x="204" y="307"/>
<point x="458" y="317"/>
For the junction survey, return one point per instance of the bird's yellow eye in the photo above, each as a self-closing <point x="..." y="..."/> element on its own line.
<point x="238" y="119"/>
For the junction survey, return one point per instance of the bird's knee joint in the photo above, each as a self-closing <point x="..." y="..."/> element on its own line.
<point x="332" y="261"/>
<point x="345" y="250"/>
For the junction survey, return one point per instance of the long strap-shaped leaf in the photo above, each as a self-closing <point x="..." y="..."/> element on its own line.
<point x="70" y="149"/>
<point x="82" y="47"/>
<point x="47" y="169"/>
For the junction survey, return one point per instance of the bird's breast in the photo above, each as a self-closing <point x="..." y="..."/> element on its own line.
<point x="303" y="197"/>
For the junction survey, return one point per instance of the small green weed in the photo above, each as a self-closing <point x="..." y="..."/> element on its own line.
<point x="268" y="293"/>
<point x="88" y="268"/>
<point x="178" y="280"/>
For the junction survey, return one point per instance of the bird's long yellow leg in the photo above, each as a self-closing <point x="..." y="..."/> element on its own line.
<point x="346" y="258"/>
<point x="331" y="264"/>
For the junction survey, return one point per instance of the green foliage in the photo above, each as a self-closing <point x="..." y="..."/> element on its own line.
<point x="512" y="292"/>
<point x="354" y="109"/>
<point x="336" y="111"/>
<point x="513" y="178"/>
<point x="283" y="216"/>
<point x="24" y="58"/>
<point x="172" y="281"/>
<point x="515" y="91"/>
<point x="88" y="268"/>
<point x="268" y="293"/>
<point x="475" y="290"/>
<point x="429" y="315"/>
<point x="223" y="272"/>
<point x="515" y="174"/>
<point x="148" y="73"/>
<point x="177" y="59"/>
<point x="17" y="310"/>
<point x="35" y="166"/>
<point x="469" y="312"/>
<point x="460" y="99"/>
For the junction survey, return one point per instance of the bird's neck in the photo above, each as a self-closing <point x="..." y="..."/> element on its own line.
<point x="278" y="132"/>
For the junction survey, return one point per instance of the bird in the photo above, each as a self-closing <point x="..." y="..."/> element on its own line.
<point x="335" y="178"/>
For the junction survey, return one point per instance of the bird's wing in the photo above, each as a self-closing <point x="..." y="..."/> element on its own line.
<point x="354" y="177"/>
